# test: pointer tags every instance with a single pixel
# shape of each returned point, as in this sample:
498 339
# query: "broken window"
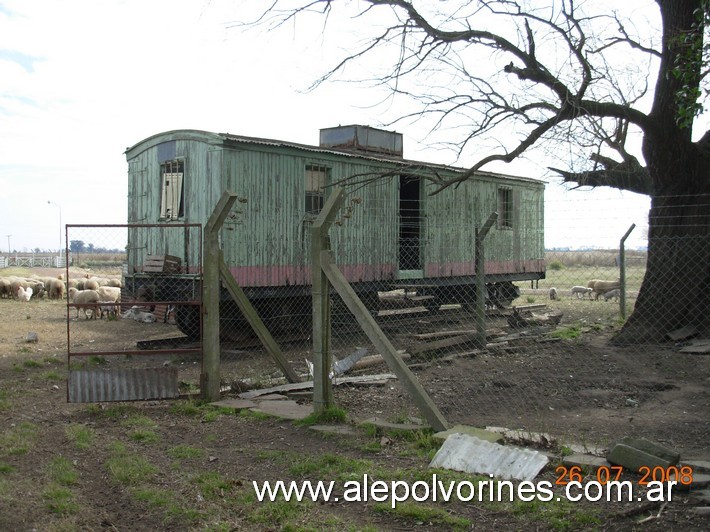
172 204
316 179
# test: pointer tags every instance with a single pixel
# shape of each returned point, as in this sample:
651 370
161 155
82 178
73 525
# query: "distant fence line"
33 261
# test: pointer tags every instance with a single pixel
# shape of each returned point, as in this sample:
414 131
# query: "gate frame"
108 381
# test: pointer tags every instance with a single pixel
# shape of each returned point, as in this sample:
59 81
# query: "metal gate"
126 287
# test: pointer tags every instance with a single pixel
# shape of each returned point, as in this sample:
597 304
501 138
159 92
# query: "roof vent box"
362 139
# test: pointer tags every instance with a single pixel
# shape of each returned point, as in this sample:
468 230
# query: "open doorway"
410 226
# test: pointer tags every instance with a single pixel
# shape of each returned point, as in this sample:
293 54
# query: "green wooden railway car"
397 232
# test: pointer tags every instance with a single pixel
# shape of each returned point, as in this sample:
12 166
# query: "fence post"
209 380
320 290
622 272
481 279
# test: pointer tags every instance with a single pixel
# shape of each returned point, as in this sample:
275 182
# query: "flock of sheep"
606 289
99 295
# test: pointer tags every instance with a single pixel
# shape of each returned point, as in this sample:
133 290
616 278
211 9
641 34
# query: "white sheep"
85 297
55 288
581 292
138 314
24 282
110 298
553 293
5 287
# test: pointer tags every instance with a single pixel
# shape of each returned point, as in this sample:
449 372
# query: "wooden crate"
162 264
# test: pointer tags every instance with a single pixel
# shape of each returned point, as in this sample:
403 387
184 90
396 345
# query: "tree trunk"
676 288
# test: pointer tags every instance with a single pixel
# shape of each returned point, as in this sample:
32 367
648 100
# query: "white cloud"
107 74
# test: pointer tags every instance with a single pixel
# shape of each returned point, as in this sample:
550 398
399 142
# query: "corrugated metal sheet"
96 385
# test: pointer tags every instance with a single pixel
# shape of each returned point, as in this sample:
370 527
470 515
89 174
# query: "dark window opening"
505 208
316 180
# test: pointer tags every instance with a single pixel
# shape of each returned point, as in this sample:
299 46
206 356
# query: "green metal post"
622 272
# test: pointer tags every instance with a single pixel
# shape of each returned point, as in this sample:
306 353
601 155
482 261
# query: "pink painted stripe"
291 274
453 269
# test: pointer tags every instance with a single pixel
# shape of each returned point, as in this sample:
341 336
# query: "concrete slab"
634 459
697 465
308 396
342 430
700 497
585 461
273 397
700 481
483 434
469 454
284 409
237 404
386 425
652 448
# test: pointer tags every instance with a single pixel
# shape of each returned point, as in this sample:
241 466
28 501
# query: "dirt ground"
579 392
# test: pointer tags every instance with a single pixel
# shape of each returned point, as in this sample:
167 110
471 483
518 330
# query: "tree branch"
628 175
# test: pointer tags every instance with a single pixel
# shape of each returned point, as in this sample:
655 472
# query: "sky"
82 80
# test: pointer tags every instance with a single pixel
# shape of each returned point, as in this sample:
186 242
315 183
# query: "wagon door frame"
410 230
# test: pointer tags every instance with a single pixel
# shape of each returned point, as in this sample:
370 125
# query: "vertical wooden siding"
267 243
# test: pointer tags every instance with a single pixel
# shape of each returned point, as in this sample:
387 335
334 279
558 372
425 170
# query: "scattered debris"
524 318
469 454
342 366
699 346
635 453
483 434
365 379
445 343
386 425
683 333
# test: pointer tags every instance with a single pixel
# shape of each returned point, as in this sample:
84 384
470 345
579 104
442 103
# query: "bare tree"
572 74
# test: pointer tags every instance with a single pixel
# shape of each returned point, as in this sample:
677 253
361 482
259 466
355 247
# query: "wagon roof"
231 139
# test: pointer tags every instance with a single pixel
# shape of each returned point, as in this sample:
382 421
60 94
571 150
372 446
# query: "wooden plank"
681 334
421 398
444 344
442 334
306 385
697 346
162 264
255 322
536 306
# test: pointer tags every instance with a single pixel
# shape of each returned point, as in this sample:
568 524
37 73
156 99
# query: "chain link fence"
128 288
546 372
